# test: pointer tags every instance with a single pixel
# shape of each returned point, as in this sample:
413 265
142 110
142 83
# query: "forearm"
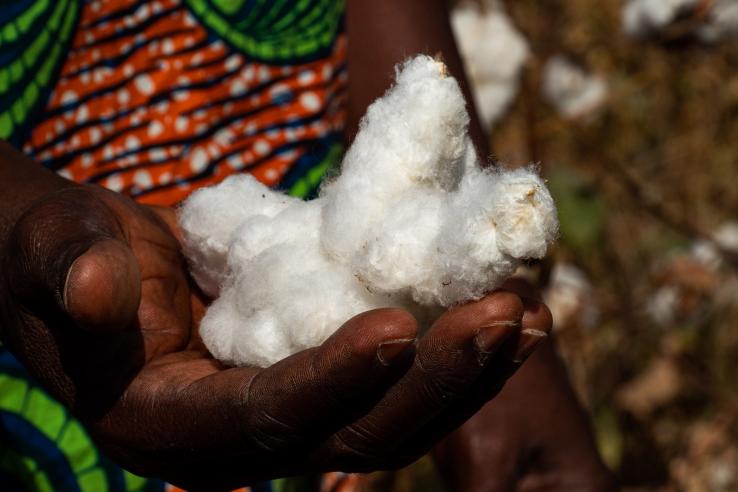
383 33
534 430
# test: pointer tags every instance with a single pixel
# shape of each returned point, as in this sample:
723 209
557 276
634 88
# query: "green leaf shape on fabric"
34 37
273 31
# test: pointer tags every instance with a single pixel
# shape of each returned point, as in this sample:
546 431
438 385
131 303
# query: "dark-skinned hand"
533 437
96 303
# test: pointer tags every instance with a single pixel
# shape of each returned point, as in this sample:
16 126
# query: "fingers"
293 404
450 358
70 256
102 289
535 325
331 385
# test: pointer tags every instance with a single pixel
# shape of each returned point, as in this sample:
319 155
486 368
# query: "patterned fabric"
155 99
34 36
45 449
152 104
273 30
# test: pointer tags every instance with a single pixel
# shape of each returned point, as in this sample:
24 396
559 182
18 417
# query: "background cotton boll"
722 21
642 17
710 21
493 100
211 215
494 53
574 92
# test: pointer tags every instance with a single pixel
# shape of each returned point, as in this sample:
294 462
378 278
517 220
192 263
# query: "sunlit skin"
97 303
101 311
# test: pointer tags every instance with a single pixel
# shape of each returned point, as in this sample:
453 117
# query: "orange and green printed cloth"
155 99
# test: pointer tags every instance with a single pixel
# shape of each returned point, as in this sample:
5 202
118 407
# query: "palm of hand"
120 321
101 312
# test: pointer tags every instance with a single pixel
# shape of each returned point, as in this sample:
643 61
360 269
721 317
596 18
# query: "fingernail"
529 340
66 287
491 336
388 352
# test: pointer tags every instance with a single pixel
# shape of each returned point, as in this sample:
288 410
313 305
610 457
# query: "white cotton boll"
722 21
492 101
295 298
569 297
431 151
524 214
401 254
209 217
712 21
643 17
257 234
412 222
494 220
570 89
726 236
494 53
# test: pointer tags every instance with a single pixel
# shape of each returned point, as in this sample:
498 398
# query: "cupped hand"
97 304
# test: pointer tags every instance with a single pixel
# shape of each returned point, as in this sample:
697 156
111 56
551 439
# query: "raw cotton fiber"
412 221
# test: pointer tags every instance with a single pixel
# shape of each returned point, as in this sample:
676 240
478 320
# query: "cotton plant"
690 280
412 221
494 53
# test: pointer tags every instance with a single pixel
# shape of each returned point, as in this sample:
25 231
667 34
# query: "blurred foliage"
638 183
581 209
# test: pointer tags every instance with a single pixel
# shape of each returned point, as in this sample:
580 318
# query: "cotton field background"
631 108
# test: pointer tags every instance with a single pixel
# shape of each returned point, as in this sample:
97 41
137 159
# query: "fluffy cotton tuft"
574 92
412 221
494 54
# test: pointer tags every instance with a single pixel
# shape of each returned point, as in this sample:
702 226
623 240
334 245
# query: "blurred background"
630 107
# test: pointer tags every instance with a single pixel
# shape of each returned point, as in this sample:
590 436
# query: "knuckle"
359 446
267 431
503 305
49 236
270 433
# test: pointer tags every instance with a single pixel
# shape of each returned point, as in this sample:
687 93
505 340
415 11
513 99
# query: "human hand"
533 437
96 303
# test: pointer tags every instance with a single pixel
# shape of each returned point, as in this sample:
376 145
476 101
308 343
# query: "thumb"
69 254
